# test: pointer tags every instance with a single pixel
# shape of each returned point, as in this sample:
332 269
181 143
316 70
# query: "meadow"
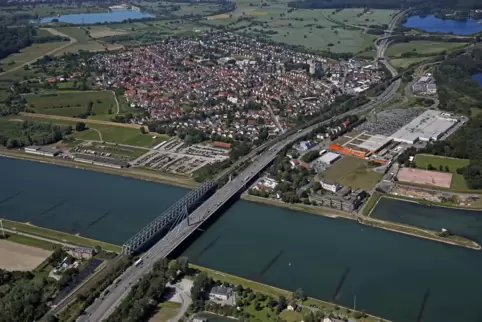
73 103
29 54
352 172
422 47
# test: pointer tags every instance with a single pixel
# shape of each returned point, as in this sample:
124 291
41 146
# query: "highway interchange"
106 304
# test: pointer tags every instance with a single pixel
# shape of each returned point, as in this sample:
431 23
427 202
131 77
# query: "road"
53 32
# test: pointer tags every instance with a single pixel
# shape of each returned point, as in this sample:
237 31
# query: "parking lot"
177 157
389 121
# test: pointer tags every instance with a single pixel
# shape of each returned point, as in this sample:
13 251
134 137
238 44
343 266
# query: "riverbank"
382 224
135 173
277 292
331 213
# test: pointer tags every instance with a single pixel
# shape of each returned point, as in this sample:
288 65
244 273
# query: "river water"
392 275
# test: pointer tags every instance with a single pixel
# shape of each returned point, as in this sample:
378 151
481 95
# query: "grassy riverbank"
58 236
135 173
276 292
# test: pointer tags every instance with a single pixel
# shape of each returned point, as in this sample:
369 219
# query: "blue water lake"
433 24
92 18
478 77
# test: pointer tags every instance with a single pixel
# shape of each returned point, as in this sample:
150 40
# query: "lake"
392 275
433 24
478 78
92 18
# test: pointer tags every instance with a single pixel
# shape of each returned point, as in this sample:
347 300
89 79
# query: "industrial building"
330 186
429 126
42 150
362 144
102 161
329 158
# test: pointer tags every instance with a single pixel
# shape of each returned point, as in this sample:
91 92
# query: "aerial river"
395 276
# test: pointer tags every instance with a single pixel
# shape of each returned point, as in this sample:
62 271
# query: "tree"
447 169
80 126
430 167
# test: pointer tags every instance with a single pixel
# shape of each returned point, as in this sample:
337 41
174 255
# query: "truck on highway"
138 262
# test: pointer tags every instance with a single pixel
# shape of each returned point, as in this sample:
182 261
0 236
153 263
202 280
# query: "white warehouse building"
429 126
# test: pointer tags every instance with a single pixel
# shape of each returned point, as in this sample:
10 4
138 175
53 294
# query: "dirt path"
73 119
53 32
98 132
116 102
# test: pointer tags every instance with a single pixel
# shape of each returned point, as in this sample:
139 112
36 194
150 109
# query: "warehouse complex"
429 126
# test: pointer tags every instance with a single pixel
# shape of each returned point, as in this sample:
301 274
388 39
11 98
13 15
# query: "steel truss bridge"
169 218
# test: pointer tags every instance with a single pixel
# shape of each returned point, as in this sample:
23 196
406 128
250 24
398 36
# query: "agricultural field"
196 9
29 54
308 28
73 103
422 47
359 17
84 41
458 182
352 172
18 257
104 31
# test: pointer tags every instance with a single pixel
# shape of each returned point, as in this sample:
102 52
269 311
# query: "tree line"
16 135
383 4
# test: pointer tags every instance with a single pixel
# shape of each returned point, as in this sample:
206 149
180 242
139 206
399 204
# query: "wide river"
398 277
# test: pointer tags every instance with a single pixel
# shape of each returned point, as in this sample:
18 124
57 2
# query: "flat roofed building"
429 126
42 150
329 158
221 292
375 143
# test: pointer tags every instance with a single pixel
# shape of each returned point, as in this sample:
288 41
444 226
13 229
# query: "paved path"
53 241
53 32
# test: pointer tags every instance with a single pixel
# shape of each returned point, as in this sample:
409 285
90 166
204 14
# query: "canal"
399 277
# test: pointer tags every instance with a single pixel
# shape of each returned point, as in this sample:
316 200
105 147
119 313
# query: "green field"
110 133
309 28
73 103
406 62
352 172
84 41
30 241
165 312
458 181
204 9
29 54
422 47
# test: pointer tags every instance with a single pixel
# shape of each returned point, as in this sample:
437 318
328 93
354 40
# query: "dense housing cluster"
228 85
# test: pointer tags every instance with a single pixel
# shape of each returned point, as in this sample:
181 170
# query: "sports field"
422 47
352 172
458 181
17 257
73 103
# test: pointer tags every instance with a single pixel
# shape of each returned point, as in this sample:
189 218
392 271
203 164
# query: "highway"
103 307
